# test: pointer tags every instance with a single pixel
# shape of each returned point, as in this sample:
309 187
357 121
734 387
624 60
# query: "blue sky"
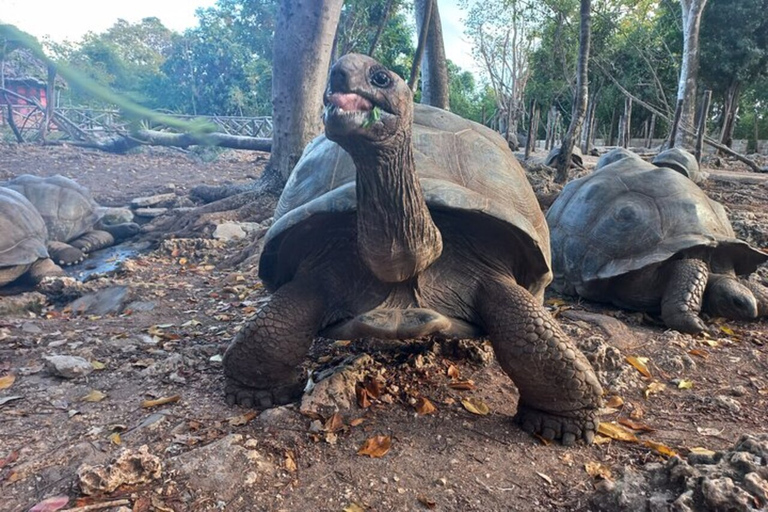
70 19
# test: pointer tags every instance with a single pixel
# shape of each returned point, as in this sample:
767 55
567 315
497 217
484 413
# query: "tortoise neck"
396 236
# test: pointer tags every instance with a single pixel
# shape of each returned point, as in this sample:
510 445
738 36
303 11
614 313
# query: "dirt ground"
155 380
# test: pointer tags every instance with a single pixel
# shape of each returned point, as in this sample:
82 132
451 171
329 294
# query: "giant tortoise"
70 215
395 227
23 240
648 238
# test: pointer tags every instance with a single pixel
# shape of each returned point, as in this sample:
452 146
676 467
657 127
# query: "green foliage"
467 100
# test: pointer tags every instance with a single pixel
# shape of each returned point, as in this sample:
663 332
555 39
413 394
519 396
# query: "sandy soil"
703 391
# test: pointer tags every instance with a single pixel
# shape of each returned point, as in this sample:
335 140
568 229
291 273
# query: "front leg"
261 364
559 392
683 295
93 241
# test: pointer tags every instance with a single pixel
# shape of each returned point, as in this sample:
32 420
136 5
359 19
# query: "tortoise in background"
71 216
649 239
23 240
402 223
681 161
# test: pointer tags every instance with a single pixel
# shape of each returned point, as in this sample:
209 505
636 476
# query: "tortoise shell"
24 237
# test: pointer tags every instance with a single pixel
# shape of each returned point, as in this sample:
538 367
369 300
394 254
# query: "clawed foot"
260 398
566 427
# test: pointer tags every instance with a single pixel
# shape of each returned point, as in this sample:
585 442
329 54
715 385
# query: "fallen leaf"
341 343
51 504
475 406
97 365
660 448
601 440
654 388
634 425
453 372
685 384
542 440
290 462
427 502
115 438
12 457
424 406
545 478
94 396
598 470
191 323
615 401
374 387
699 353
362 397
640 364
616 432
7 381
698 450
356 422
376 446
462 385
712 343
243 419
353 507
709 431
334 423
727 330
160 401
4 400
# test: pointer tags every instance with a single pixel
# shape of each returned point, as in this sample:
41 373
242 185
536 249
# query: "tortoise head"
727 297
365 102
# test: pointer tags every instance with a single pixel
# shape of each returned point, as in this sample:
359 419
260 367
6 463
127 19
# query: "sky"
71 19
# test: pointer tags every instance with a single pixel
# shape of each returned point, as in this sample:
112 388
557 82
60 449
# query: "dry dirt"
216 457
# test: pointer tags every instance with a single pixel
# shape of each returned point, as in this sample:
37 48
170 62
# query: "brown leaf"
635 425
462 385
7 381
660 448
654 388
546 478
160 401
12 457
290 462
94 396
115 438
616 432
374 387
424 406
598 470
640 364
698 450
362 397
376 446
356 422
243 419
427 502
334 423
353 507
699 353
51 504
453 372
475 406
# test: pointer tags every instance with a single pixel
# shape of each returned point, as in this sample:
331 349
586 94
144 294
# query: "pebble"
68 367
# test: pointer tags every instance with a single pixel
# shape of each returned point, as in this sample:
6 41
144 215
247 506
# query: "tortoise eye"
381 79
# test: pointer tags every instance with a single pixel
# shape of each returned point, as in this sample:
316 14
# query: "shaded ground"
216 457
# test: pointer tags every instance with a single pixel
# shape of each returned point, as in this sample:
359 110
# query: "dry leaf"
699 353
462 385
290 462
362 397
712 343
243 419
357 421
601 440
453 372
374 387
616 432
727 330
353 507
51 504
160 401
685 384
94 396
660 448
7 381
555 302
115 438
424 406
542 440
334 423
634 425
641 364
698 450
546 478
709 431
376 446
598 470
637 413
653 388
97 365
475 406
427 502
615 401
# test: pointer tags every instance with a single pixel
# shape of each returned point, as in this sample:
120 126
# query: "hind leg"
261 364
93 241
65 254
45 268
559 392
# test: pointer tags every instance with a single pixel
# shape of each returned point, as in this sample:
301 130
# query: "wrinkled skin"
396 268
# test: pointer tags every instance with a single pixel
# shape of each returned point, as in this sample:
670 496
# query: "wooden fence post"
702 128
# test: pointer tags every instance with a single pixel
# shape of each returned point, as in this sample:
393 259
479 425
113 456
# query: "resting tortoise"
70 215
615 155
23 241
398 229
681 161
647 238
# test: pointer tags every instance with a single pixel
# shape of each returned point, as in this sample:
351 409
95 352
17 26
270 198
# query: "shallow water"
105 260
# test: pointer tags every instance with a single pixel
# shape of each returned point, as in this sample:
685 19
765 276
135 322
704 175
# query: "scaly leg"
65 254
261 363
681 302
93 241
559 392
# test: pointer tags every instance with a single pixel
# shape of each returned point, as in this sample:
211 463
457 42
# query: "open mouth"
350 109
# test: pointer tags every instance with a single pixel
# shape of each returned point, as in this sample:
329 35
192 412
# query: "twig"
98 506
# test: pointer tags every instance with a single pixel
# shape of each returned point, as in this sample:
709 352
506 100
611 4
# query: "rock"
111 216
335 389
225 468
22 303
159 199
616 331
110 300
140 305
129 468
68 367
228 231
150 212
728 403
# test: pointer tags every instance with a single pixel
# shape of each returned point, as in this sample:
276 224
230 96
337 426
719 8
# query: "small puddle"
105 260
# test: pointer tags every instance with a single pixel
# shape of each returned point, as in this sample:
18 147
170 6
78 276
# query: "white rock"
228 231
69 367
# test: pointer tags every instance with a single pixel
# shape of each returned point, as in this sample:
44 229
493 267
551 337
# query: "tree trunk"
423 25
304 34
49 93
627 123
380 28
563 162
689 69
702 124
651 130
530 143
730 110
612 128
434 83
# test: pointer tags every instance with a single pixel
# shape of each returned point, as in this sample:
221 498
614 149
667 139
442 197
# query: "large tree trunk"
730 111
563 162
689 70
304 33
434 70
